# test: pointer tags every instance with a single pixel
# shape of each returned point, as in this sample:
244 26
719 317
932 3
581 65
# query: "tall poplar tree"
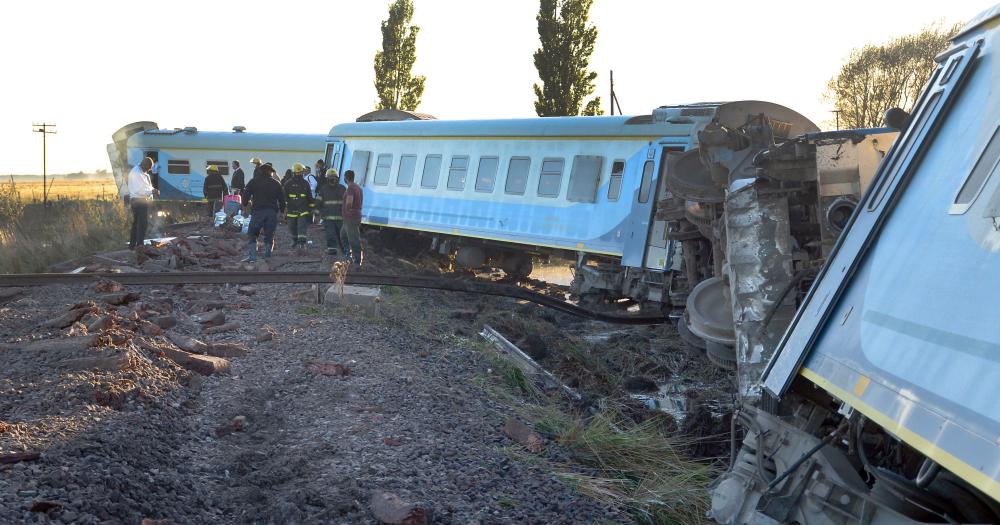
394 81
563 60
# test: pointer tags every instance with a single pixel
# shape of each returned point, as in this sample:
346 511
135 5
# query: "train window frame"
424 179
328 158
360 176
522 181
646 182
616 179
982 171
383 171
544 176
458 183
178 167
222 165
583 184
404 160
480 187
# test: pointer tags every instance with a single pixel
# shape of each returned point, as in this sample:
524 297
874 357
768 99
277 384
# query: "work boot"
251 254
267 251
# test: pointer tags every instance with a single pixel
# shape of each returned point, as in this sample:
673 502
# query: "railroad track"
363 279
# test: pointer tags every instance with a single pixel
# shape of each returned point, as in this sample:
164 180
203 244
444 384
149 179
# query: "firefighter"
263 199
331 197
213 189
299 203
353 197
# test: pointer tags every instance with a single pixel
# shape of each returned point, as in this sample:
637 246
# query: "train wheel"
517 266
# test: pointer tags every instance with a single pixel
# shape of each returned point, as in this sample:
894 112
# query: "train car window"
551 177
178 167
382 168
457 171
222 165
359 165
517 175
407 165
615 184
647 181
987 164
328 158
432 170
584 177
487 174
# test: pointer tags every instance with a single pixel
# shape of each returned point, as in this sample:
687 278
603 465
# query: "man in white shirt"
140 193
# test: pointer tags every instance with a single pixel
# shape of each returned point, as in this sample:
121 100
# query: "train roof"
980 19
191 138
665 121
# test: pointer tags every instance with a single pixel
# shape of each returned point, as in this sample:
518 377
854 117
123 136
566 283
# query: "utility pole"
45 129
837 113
614 98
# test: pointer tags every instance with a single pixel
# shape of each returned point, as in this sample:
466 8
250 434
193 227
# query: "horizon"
205 71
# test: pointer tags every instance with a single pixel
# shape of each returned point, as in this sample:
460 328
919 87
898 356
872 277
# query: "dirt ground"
311 413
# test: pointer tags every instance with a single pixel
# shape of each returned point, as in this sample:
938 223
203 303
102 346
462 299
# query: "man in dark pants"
263 199
331 197
353 197
213 189
299 201
238 181
140 192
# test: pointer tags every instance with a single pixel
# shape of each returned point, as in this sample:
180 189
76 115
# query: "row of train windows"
183 167
584 177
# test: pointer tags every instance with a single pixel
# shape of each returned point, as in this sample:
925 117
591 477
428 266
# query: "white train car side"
183 155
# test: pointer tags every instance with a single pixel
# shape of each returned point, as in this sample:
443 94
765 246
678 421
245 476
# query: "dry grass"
637 466
64 189
42 236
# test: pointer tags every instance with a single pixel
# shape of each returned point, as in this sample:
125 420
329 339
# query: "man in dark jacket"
300 201
213 189
331 197
238 182
263 199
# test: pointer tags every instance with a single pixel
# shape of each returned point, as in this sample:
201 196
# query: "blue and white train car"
882 398
182 155
494 189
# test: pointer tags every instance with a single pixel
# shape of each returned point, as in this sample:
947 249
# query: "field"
84 216
63 189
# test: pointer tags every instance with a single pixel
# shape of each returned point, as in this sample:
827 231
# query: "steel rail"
364 279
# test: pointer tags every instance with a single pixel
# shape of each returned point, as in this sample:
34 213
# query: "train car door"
334 156
647 167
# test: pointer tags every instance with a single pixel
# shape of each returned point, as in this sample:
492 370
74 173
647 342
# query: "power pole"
837 113
45 129
614 98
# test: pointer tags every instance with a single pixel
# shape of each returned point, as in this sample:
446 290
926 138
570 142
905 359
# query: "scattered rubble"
390 508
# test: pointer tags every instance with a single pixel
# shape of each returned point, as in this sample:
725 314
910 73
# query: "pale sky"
303 66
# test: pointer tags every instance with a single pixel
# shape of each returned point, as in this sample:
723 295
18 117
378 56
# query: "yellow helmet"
212 168
332 173
255 160
298 167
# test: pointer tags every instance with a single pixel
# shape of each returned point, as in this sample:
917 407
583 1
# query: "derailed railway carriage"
497 191
880 404
183 155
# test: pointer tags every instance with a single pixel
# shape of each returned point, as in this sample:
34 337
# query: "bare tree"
878 77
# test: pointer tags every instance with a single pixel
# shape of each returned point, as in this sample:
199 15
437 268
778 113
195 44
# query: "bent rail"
369 279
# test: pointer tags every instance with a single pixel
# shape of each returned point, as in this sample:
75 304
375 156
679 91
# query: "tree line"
872 79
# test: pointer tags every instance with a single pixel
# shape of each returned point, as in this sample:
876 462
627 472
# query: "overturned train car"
867 362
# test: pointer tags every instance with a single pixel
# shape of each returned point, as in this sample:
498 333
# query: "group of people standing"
299 195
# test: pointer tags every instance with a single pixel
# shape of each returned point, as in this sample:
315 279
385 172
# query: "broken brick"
327 369
523 434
